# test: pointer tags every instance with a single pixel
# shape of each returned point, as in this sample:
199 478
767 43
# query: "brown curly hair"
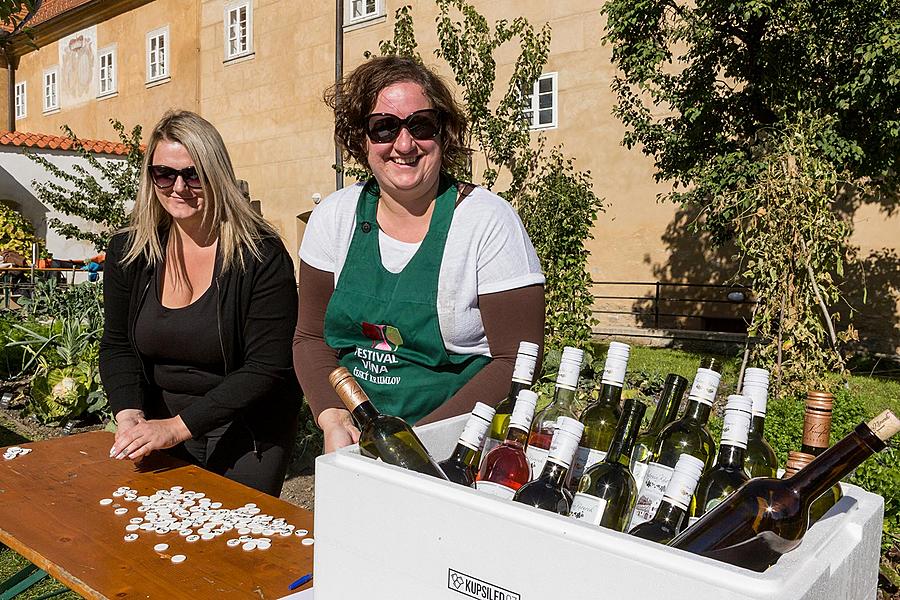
359 92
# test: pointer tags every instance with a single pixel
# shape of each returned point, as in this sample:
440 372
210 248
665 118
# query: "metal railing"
662 301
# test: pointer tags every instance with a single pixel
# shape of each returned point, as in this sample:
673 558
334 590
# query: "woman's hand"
338 429
128 418
142 437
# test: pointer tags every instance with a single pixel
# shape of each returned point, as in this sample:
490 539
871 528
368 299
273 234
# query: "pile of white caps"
15 452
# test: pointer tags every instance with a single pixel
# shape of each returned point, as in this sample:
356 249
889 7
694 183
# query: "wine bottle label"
705 386
816 429
585 458
735 426
567 377
614 371
651 494
495 489
639 471
885 425
536 458
587 508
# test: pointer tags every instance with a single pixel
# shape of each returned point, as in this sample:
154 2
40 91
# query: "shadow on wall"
713 301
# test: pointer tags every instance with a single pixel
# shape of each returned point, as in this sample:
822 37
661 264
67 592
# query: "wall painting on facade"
77 53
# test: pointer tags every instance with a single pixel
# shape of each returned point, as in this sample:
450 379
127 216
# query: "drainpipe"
11 91
338 77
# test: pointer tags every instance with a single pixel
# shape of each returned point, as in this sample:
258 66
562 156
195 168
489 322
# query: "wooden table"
50 514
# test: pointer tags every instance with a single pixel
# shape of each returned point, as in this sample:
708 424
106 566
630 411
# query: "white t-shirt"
487 251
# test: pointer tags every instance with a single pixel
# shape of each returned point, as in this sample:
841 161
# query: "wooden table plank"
50 514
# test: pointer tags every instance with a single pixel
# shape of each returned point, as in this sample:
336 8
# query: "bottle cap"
566 437
755 374
347 388
484 411
570 426
759 394
821 401
689 464
527 397
523 411
528 348
569 368
683 482
736 423
795 462
614 370
705 386
618 349
885 425
739 402
573 354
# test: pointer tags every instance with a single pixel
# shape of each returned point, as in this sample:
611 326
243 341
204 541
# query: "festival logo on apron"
376 361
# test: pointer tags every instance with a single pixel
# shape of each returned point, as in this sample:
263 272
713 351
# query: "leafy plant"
96 194
16 232
50 299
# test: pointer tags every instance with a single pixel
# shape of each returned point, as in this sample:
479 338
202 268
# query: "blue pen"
305 579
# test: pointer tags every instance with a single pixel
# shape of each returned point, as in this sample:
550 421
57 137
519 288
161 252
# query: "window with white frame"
106 76
540 106
21 100
158 54
362 10
51 89
238 28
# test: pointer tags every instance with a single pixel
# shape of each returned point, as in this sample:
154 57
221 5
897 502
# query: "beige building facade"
257 69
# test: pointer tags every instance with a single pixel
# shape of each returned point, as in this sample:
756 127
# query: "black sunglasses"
383 128
165 177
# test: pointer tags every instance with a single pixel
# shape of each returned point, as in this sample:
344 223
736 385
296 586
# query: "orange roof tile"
48 10
57 142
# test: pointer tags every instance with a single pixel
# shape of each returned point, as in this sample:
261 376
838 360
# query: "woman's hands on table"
136 437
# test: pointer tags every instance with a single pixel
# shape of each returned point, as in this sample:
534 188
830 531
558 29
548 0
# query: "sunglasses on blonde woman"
383 128
165 177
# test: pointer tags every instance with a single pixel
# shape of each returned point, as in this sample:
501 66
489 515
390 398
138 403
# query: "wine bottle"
767 517
688 435
382 436
505 468
817 422
522 378
601 415
728 473
561 406
666 412
462 465
548 490
606 491
822 504
671 516
759 460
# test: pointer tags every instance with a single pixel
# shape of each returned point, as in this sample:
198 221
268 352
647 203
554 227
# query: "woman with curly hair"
421 285
199 305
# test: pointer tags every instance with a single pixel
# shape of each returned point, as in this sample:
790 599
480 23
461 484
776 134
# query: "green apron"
385 325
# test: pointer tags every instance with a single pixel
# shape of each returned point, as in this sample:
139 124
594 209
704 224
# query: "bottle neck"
669 513
563 398
515 387
516 436
730 456
757 425
554 474
697 412
626 434
463 455
666 410
365 412
610 394
836 462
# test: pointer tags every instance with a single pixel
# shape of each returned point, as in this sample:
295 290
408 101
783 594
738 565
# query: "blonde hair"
225 207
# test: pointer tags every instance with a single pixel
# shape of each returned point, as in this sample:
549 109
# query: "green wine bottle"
548 490
562 405
728 474
522 379
759 460
382 436
606 491
688 435
666 412
671 517
601 415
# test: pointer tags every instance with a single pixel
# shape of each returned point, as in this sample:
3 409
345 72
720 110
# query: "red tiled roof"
48 10
58 142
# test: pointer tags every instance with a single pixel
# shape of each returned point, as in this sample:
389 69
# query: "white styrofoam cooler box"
385 533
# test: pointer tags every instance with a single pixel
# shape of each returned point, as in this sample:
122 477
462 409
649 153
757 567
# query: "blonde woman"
200 302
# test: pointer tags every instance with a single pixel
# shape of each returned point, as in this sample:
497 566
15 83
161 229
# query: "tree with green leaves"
100 198
555 200
763 116
16 13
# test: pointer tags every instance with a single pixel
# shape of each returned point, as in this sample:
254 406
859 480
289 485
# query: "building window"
21 100
540 106
158 55
107 83
51 89
363 10
238 29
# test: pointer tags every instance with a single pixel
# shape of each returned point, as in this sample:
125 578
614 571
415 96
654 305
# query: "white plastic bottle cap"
484 411
528 397
528 348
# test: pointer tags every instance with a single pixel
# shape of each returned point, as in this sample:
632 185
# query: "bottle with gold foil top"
817 423
382 436
798 460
